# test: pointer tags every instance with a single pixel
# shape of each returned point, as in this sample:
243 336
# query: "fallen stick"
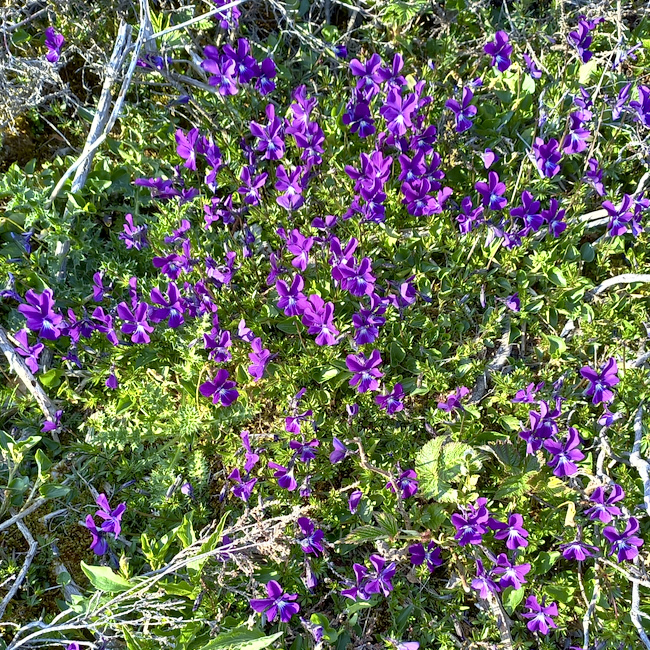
624 278
31 553
28 380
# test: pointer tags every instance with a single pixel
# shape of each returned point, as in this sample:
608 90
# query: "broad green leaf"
242 638
103 578
557 277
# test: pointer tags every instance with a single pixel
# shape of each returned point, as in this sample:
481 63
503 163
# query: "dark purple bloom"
340 451
304 451
111 382
300 246
575 140
542 426
30 352
577 550
99 545
513 575
454 400
52 425
251 457
318 317
243 488
565 455
391 403
547 156
53 42
527 395
186 147
223 73
178 234
555 218
135 322
368 74
365 370
601 382
267 72
531 67
528 212
463 111
360 120
625 544
513 532
41 317
431 556
472 523
269 136
581 40
392 76
292 423
500 51
620 217
312 540
398 112
170 306
134 236
285 476
492 192
357 590
292 300
605 510
379 580
594 177
221 389
540 616
246 66
277 603
470 217
513 302
251 185
354 500
484 583
358 280
112 518
642 107
292 186
218 342
104 324
260 358
407 483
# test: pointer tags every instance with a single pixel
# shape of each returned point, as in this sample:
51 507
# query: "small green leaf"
557 277
43 463
103 578
53 490
512 598
242 638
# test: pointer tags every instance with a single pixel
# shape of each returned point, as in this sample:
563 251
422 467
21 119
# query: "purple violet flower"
285 476
492 192
625 544
577 550
601 382
340 451
30 352
453 402
540 616
53 42
41 317
463 111
135 322
500 51
278 602
260 358
565 455
407 483
98 545
605 510
243 487
112 518
431 556
547 156
221 389
379 580
513 575
513 532
134 236
391 403
354 501
311 543
483 583
365 370
471 523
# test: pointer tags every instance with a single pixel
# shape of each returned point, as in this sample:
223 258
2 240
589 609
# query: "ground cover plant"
328 329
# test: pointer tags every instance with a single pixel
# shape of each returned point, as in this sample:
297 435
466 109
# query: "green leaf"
53 490
43 463
52 378
363 534
556 345
545 561
104 579
557 277
242 638
512 598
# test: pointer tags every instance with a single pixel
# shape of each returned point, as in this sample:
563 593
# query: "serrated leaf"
104 579
363 534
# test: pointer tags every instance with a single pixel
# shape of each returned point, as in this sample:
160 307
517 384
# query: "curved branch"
624 278
31 553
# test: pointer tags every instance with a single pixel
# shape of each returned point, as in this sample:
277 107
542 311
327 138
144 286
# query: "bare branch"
31 553
637 461
28 380
23 513
624 278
